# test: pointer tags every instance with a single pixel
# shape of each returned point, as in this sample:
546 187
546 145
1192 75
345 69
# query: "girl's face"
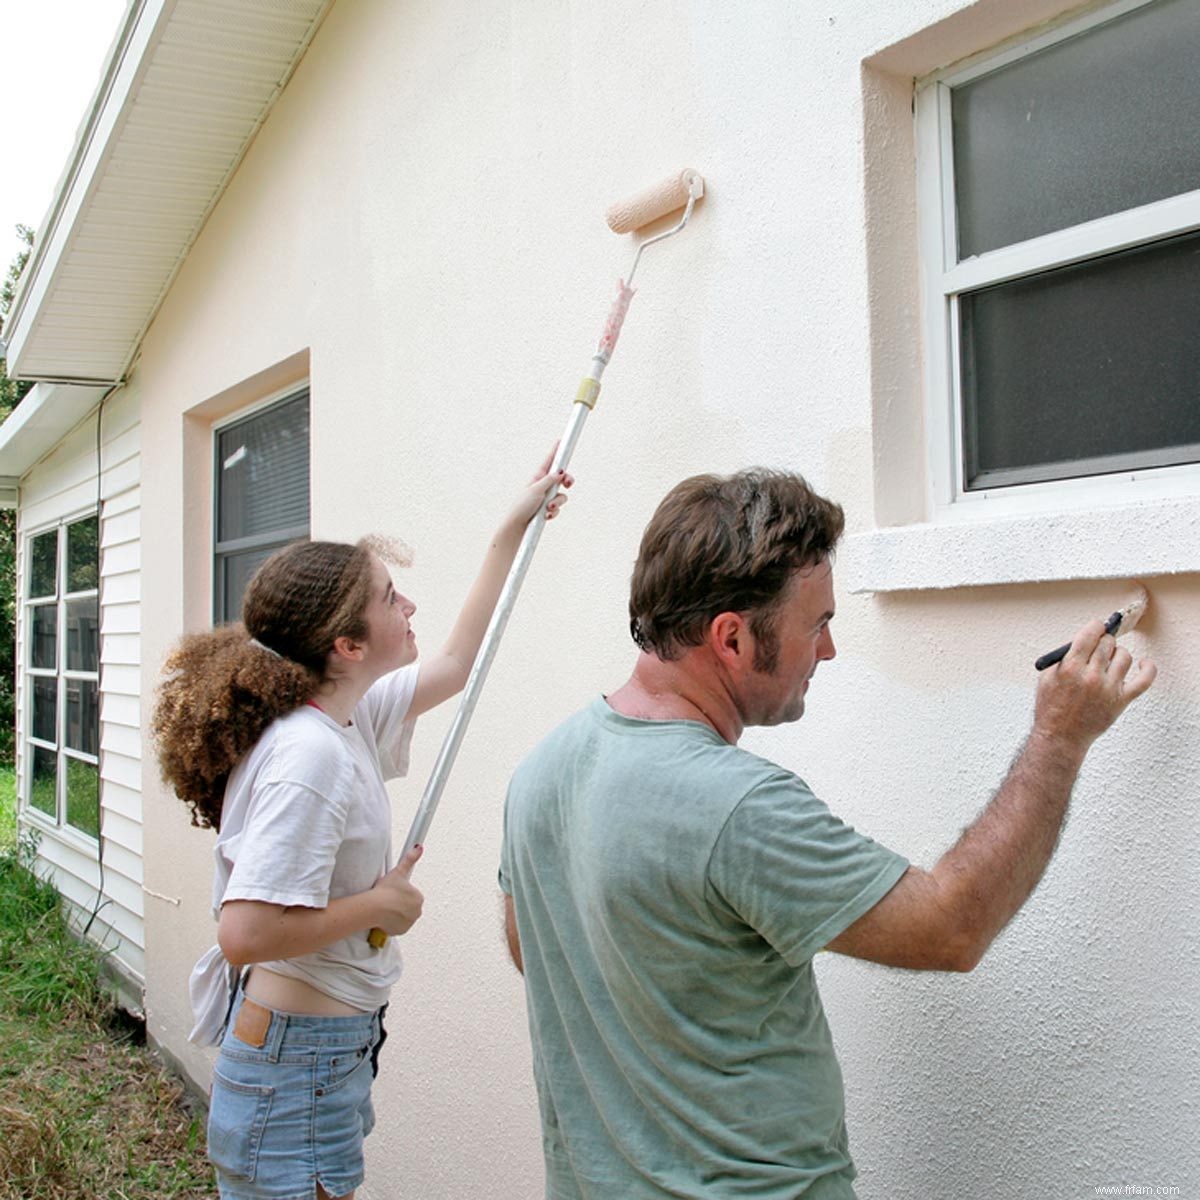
391 642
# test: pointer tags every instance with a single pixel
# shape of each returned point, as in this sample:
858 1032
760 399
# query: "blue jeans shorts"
291 1102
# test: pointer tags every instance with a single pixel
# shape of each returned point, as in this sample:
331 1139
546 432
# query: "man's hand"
945 919
1082 696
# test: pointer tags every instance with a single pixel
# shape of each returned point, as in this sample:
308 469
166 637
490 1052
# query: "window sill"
1160 537
81 843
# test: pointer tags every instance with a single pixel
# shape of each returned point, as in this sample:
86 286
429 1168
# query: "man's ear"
349 649
730 639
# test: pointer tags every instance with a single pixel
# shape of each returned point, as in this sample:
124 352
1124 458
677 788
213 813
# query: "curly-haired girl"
279 732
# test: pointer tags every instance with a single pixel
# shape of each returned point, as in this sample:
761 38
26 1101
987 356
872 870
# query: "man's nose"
828 649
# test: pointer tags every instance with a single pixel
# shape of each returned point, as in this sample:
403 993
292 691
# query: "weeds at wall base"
85 1110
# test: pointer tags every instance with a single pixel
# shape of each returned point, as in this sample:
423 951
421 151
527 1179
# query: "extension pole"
495 630
674 193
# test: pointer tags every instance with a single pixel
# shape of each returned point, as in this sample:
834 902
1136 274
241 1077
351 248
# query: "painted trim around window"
1124 523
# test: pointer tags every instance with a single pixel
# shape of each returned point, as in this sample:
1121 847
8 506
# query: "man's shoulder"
687 747
567 731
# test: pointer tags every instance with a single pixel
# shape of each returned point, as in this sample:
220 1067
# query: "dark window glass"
45 709
83 634
1099 123
262 472
44 781
43 644
43 564
83 796
83 715
83 555
238 568
1083 370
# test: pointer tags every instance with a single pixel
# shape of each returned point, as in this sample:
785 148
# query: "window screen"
262 491
1081 370
1102 122
1072 296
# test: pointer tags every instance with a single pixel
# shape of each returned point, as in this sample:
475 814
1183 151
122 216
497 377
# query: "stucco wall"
419 228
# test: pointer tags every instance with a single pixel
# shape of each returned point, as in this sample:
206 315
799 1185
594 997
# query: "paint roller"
679 191
1122 621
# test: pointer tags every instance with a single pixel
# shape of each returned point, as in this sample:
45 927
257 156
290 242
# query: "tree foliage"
11 394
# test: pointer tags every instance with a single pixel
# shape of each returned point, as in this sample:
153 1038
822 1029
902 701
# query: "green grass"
83 794
86 1113
8 807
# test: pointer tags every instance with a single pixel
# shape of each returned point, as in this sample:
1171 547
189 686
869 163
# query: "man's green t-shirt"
670 892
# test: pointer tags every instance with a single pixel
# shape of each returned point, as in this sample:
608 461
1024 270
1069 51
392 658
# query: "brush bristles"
1133 612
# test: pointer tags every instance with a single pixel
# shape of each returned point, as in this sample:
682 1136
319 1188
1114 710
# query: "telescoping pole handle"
584 402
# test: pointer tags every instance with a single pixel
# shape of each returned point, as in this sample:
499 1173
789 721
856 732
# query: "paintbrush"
1122 621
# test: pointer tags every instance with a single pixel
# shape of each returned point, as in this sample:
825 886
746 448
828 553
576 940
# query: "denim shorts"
291 1102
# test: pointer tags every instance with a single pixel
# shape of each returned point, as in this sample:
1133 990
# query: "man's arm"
945 919
511 935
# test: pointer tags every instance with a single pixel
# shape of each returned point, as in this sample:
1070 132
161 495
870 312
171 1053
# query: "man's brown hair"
726 543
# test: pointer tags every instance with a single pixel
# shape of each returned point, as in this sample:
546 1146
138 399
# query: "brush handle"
1056 656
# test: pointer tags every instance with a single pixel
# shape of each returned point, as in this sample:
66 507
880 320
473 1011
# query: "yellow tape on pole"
589 389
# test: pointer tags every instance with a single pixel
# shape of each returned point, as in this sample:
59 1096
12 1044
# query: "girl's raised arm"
445 673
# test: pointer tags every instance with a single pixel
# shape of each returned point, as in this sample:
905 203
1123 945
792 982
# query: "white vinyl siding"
61 486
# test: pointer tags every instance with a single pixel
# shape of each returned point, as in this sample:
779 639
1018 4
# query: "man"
667 891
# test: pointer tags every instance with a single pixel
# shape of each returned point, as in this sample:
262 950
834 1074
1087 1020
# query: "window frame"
62 675
944 279
274 539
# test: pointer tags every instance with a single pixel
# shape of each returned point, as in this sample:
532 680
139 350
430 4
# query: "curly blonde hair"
221 690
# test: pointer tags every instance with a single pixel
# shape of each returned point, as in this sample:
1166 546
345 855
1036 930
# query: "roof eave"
47 414
140 29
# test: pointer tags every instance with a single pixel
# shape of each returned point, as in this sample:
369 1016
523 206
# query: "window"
261 495
1060 216
62 606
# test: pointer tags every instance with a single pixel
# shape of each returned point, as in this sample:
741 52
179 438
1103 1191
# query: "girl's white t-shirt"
306 819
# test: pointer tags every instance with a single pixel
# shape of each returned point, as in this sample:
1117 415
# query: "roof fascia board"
128 60
43 418
219 192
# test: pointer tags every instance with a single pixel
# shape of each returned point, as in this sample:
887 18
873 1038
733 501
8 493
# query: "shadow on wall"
996 632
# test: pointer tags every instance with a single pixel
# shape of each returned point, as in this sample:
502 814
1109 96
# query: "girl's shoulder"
305 748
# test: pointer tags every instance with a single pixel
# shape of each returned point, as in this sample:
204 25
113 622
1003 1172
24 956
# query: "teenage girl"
279 733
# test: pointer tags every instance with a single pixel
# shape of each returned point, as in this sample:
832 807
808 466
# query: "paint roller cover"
654 202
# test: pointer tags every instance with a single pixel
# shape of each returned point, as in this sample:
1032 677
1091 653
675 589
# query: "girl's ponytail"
220 691
224 687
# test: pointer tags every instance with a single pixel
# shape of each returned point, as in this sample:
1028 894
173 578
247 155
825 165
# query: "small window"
262 495
1062 252
43 565
62 670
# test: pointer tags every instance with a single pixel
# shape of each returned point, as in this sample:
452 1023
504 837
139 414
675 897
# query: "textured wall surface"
419 228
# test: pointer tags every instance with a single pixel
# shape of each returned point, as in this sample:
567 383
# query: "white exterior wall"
62 485
418 231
